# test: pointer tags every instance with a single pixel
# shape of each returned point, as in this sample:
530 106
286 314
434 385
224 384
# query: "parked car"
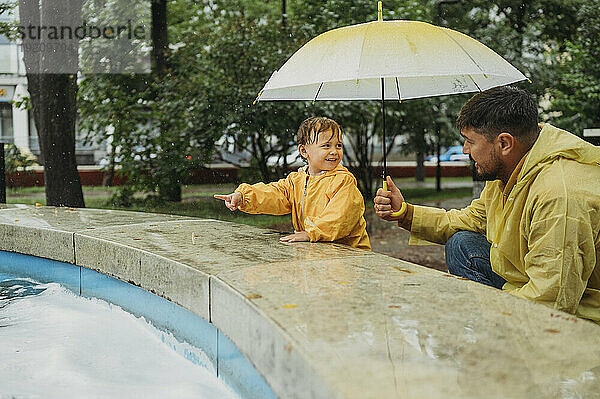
454 153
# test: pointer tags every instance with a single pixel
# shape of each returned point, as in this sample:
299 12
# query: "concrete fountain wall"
323 320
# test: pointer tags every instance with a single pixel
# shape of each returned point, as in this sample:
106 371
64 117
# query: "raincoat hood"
554 143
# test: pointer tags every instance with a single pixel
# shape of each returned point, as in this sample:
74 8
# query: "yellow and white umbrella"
415 59
388 60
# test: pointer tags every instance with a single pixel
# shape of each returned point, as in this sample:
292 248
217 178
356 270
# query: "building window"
6 123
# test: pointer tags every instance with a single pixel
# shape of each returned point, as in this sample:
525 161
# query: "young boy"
322 196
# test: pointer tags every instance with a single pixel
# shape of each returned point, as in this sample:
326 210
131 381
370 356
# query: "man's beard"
489 175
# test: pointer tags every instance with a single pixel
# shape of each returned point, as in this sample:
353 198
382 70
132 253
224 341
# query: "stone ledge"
323 320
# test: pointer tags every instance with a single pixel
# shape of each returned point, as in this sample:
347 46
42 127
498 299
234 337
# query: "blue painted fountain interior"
222 356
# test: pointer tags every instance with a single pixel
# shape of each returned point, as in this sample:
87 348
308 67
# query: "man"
534 231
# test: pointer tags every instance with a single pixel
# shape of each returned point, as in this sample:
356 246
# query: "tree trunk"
55 118
109 173
52 84
360 162
169 188
160 38
283 14
420 172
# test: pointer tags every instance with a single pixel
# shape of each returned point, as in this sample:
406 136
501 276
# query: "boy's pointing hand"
232 201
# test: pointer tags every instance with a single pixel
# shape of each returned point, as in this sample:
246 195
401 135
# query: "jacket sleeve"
272 198
435 225
561 252
343 211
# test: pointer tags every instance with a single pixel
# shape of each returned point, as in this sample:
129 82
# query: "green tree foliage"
531 35
223 52
240 51
411 126
6 20
219 58
576 98
150 123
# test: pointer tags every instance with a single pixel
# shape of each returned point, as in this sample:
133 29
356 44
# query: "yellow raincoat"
545 232
329 207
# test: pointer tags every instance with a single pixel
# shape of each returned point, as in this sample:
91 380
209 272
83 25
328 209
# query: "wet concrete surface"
325 321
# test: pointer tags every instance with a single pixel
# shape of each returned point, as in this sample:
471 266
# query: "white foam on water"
57 344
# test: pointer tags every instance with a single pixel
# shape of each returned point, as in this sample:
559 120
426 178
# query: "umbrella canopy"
415 59
388 60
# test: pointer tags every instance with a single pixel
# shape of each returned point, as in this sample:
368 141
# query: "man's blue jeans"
468 255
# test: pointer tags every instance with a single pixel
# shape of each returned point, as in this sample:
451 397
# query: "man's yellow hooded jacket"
329 207
545 233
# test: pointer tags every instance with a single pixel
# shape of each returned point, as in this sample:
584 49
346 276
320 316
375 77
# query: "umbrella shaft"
383 128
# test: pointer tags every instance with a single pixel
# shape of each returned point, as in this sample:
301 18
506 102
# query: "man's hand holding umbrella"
389 204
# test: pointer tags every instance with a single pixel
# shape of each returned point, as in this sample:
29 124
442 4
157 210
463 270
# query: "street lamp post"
2 174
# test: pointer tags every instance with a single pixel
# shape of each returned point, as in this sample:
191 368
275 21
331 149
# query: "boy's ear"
302 150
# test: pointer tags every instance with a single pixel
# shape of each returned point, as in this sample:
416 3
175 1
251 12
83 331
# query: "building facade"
14 121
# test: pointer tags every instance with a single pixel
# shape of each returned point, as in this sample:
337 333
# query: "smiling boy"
322 197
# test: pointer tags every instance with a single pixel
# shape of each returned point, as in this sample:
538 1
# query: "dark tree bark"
52 83
160 38
362 144
421 148
168 189
283 14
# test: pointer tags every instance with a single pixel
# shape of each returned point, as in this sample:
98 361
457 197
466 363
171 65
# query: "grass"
432 179
198 202
419 195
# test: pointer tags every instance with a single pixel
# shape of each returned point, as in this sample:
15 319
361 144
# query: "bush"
15 161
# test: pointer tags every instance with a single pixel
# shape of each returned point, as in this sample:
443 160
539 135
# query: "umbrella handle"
400 212
402 208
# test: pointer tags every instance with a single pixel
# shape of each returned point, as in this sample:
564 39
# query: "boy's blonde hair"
308 132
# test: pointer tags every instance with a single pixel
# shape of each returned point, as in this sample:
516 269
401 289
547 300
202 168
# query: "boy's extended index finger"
221 197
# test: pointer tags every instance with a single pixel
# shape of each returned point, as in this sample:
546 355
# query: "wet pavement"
326 321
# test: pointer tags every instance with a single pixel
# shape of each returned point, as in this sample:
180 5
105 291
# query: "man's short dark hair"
501 109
